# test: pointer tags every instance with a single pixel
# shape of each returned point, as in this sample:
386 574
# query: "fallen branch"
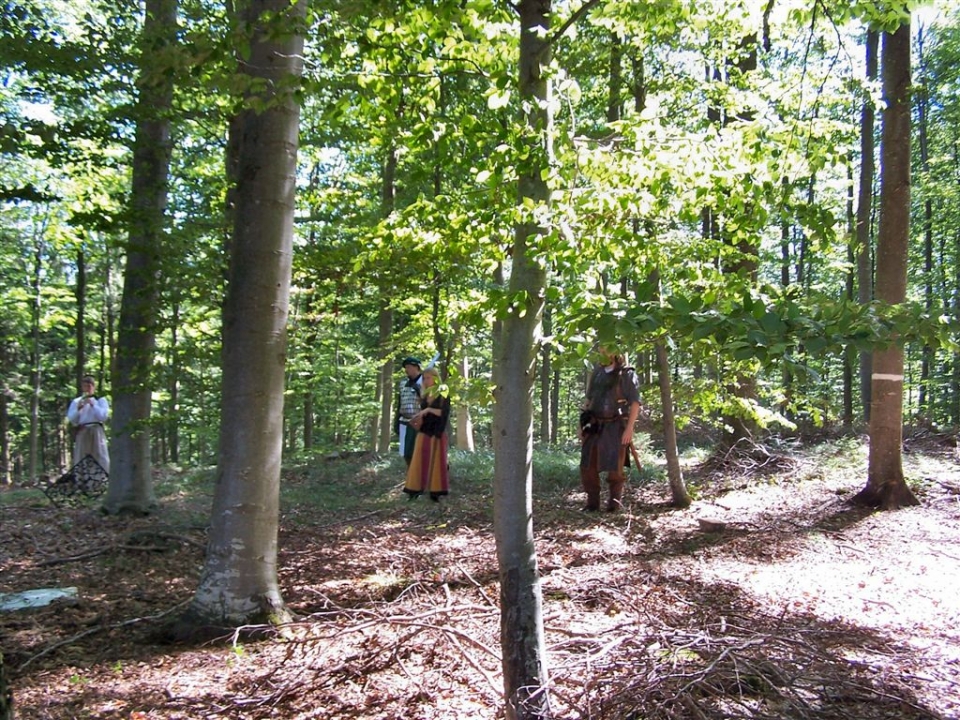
102 551
92 631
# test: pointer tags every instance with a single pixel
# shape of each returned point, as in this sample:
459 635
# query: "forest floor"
796 605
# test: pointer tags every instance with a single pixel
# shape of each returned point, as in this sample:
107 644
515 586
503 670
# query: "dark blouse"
435 425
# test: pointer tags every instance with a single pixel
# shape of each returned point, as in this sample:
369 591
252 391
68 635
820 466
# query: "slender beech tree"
886 487
239 583
36 372
131 483
521 602
80 327
865 212
382 424
925 400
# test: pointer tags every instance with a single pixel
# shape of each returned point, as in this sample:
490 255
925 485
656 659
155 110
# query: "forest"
239 218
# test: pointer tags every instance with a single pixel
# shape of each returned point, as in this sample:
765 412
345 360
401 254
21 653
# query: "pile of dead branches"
746 460
400 658
729 671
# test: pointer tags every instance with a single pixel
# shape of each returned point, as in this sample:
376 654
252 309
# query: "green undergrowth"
333 486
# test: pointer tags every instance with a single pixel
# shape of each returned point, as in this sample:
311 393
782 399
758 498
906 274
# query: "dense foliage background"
703 172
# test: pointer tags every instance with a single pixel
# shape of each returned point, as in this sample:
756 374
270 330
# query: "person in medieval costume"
606 428
408 405
86 415
429 470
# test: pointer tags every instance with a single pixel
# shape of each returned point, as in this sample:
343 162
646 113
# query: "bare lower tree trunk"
525 676
678 489
131 479
239 583
886 487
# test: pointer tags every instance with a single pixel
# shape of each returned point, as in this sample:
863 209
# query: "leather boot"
615 501
593 502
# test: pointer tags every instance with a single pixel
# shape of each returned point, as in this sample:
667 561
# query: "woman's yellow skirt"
429 470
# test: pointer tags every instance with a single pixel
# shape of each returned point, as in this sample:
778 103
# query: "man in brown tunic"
610 412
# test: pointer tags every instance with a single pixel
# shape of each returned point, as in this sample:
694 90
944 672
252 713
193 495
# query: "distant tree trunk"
239 583
307 421
954 364
79 328
925 401
465 439
547 411
615 79
555 406
383 424
5 476
173 424
865 214
849 355
525 676
439 341
33 464
737 426
107 345
886 487
385 394
131 481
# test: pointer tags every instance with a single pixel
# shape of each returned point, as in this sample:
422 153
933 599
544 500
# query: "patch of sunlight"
384 581
601 539
887 571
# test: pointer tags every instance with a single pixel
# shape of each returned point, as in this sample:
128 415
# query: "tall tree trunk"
865 214
79 330
131 481
464 428
925 401
383 424
525 676
33 459
239 583
886 487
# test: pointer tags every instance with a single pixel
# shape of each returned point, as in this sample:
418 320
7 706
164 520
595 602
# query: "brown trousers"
590 479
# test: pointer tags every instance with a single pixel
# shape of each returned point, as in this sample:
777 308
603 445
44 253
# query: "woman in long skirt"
429 470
